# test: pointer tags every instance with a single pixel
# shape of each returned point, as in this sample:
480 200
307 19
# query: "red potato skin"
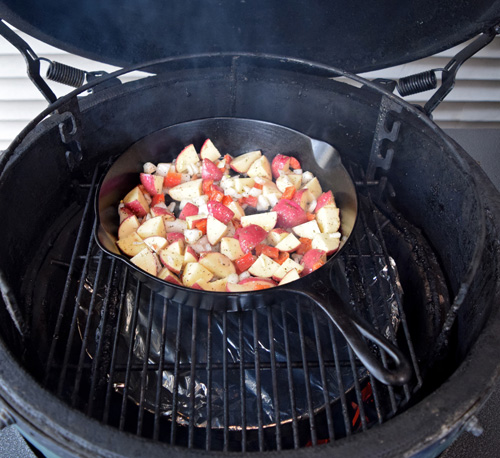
250 236
148 181
311 258
160 211
220 211
193 253
324 199
125 213
290 214
280 163
172 280
209 171
259 279
189 210
174 236
136 208
298 196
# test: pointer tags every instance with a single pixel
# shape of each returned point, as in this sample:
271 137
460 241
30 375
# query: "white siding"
474 102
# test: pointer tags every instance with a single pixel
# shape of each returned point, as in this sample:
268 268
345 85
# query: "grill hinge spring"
427 80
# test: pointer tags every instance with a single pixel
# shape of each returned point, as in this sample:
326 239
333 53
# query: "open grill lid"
357 36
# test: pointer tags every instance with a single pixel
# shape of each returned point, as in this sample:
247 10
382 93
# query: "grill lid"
356 36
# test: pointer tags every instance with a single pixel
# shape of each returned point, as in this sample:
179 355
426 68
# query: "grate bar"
144 373
359 396
192 376
242 385
85 338
173 430
72 330
96 362
258 383
69 280
340 380
208 436
123 412
225 381
324 383
291 388
121 306
156 428
274 375
310 408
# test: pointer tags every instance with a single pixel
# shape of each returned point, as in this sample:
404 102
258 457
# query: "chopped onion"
312 206
149 167
307 177
147 197
262 203
244 275
259 180
163 168
298 171
192 235
201 200
203 209
232 278
254 192
273 199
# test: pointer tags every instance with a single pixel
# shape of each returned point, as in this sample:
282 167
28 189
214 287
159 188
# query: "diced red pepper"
305 245
250 200
294 163
201 224
258 186
172 179
236 223
270 251
283 256
228 158
317 265
289 192
207 186
226 200
158 199
310 216
244 263
262 286
216 194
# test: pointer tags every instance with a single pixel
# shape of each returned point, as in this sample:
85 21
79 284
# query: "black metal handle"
354 329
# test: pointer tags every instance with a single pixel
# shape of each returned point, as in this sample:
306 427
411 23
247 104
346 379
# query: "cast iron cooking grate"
274 378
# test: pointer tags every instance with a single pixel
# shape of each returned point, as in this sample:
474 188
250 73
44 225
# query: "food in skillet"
219 223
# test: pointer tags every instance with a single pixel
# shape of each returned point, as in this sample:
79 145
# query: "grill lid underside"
356 36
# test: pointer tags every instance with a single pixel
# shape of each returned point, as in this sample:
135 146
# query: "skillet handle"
353 329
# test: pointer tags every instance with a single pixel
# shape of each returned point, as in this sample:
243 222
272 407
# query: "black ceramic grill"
93 363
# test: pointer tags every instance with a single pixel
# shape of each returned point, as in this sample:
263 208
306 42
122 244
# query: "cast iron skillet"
236 136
